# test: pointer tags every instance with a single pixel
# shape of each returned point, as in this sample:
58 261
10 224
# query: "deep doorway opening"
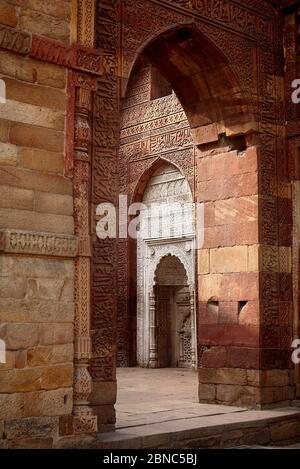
161 319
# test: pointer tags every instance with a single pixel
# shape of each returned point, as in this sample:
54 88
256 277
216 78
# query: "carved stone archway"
167 229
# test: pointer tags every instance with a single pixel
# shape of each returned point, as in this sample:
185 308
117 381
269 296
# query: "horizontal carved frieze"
75 56
15 41
38 243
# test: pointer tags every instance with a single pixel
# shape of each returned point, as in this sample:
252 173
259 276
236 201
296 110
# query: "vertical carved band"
82 92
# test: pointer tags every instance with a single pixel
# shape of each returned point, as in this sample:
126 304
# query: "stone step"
262 427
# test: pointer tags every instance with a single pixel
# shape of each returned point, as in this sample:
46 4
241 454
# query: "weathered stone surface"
11 406
8 15
236 209
34 379
26 179
244 396
39 23
32 71
34 311
33 427
223 376
233 259
12 197
285 431
47 403
53 203
36 267
103 393
9 289
56 334
41 160
19 336
31 443
214 357
8 152
29 114
206 392
40 356
35 221
203 261
33 136
35 94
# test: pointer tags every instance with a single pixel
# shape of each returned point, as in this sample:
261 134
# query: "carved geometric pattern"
38 243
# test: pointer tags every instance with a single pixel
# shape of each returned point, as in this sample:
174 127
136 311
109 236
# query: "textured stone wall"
36 225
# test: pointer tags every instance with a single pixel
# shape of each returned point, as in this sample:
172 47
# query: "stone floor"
147 396
159 409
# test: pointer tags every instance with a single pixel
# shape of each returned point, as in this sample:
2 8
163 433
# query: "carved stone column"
152 332
193 329
84 421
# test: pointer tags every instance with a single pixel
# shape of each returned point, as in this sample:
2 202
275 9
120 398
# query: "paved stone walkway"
147 396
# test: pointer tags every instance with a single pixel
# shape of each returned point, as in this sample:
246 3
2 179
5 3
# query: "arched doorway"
173 315
165 270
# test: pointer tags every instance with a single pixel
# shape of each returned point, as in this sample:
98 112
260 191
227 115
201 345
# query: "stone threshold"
277 427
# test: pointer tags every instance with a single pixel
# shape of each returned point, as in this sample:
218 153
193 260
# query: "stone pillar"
84 421
153 353
193 329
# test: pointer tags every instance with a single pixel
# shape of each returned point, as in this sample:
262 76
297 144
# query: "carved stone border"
38 243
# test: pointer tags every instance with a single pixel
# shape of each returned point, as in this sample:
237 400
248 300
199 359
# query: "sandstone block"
4 132
230 259
47 403
103 393
209 286
222 376
203 261
32 136
10 360
236 210
45 288
253 258
35 221
35 379
285 431
26 179
32 427
20 359
228 313
12 197
11 406
229 334
53 203
41 160
38 23
34 311
206 392
214 357
31 443
56 334
243 396
8 15
19 336
37 267
243 357
8 152
40 356
32 71
15 289
35 94
54 8
16 111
